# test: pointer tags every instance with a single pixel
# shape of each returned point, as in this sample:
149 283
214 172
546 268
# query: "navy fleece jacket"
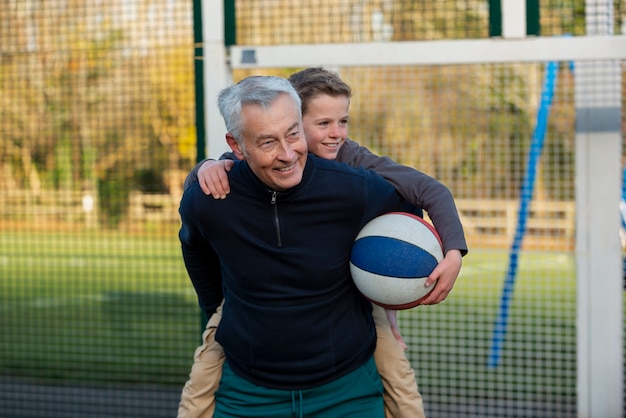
292 317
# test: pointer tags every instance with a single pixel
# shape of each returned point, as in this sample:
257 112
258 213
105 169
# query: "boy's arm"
418 188
429 194
192 177
212 175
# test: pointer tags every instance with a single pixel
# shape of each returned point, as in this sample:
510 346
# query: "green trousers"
356 395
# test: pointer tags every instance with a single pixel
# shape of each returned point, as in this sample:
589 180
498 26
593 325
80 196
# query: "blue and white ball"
392 257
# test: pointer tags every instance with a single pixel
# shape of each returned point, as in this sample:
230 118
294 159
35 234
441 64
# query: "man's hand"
445 274
213 179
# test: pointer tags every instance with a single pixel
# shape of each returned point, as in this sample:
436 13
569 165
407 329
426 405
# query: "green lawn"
450 342
113 308
96 307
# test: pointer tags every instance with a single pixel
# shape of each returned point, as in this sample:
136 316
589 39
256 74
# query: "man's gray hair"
257 90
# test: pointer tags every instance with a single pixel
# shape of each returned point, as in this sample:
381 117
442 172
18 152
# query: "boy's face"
326 125
273 143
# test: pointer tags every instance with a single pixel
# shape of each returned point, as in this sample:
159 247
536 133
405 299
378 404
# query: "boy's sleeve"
416 187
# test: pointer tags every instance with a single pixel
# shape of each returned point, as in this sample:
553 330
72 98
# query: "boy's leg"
401 396
198 397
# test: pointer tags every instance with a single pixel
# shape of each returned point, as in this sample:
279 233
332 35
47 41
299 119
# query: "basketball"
392 257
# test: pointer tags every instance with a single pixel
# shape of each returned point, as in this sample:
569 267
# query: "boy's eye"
323 123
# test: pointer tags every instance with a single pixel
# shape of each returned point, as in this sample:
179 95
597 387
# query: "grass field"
115 309
450 342
105 307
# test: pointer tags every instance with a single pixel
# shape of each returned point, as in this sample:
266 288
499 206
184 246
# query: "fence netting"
98 131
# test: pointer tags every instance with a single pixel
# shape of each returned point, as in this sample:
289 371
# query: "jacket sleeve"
192 177
201 261
416 187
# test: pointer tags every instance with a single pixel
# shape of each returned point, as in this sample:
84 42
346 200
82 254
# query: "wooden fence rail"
49 205
487 222
153 207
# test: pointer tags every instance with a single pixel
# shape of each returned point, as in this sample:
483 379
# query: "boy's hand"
213 179
446 274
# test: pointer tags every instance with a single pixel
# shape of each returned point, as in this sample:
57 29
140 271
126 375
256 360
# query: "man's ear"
234 146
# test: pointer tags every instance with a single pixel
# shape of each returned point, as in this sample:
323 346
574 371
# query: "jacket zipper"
276 221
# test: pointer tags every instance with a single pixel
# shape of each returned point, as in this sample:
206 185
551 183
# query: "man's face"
326 125
274 143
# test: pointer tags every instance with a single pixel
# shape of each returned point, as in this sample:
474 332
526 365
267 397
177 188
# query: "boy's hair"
257 90
316 81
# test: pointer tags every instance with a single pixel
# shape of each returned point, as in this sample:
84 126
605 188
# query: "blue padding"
526 193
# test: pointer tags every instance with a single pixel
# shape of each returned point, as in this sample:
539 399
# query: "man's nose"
286 151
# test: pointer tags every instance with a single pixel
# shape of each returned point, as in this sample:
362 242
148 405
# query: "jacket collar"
264 191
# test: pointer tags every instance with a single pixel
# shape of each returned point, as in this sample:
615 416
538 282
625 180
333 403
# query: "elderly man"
297 335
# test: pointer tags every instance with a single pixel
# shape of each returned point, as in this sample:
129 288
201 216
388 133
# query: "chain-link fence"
98 131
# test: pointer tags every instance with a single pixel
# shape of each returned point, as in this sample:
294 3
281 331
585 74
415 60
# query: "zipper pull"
274 195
